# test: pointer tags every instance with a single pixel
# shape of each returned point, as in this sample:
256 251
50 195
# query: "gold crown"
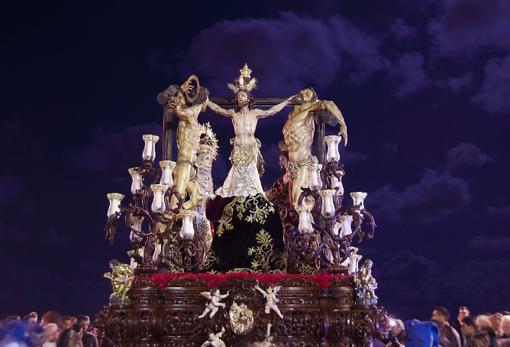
244 82
245 71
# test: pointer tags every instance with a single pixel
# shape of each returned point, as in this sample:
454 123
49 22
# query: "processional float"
213 268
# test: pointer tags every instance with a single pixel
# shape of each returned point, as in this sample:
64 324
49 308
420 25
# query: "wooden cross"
321 117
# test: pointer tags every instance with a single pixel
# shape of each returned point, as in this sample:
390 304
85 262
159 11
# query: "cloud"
435 197
494 94
489 245
408 74
10 188
498 211
114 150
286 52
460 83
401 30
349 157
414 277
468 26
480 284
466 155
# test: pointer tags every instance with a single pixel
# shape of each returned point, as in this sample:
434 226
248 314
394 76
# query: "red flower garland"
322 280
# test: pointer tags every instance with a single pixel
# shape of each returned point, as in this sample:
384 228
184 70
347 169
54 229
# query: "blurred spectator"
76 338
50 335
67 322
483 324
457 323
31 318
89 339
421 334
447 335
495 320
474 337
51 317
505 326
397 334
67 332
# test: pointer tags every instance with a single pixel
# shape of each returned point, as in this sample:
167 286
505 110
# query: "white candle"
158 201
167 167
136 179
328 206
115 199
305 220
333 153
358 199
187 231
314 176
149 149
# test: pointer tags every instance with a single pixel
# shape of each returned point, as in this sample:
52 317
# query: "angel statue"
214 302
365 285
271 299
121 277
215 339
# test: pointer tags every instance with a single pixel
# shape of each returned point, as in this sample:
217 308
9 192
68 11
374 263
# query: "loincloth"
245 155
293 167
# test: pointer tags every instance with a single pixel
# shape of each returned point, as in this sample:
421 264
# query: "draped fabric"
248 234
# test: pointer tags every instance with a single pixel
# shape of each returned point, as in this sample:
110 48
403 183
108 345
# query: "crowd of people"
465 330
53 330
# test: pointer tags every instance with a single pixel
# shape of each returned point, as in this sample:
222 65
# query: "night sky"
424 87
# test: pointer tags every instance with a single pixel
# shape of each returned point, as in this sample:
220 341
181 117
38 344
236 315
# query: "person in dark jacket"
88 339
457 323
448 336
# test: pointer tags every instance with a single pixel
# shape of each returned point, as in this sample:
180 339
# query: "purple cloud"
401 30
481 283
408 74
10 188
435 197
489 245
466 155
499 211
467 26
349 157
460 83
413 276
114 150
286 53
494 93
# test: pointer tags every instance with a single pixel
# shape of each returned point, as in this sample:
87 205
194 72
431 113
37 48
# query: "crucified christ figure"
243 178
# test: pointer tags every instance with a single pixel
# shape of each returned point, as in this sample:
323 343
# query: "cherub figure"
215 339
271 299
214 302
366 284
351 263
121 277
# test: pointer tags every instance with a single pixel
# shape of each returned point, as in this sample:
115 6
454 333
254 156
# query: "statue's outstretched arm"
335 111
219 110
273 110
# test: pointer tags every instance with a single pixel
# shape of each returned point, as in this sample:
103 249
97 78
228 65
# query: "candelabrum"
161 237
326 227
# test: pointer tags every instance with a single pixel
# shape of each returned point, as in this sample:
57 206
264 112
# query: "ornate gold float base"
314 314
